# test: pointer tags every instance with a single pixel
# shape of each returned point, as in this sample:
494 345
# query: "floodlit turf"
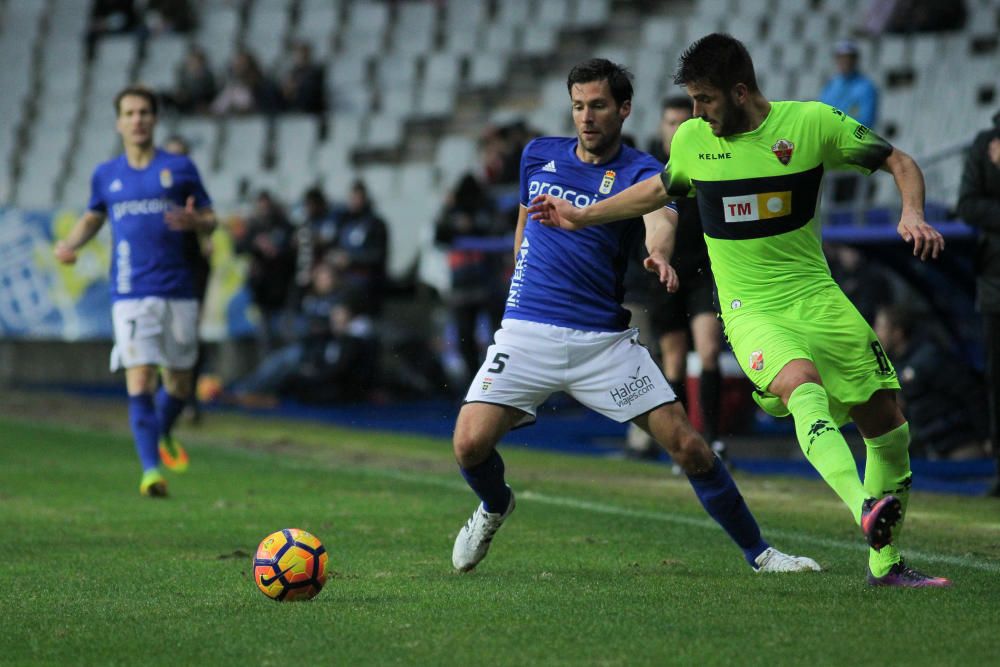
604 562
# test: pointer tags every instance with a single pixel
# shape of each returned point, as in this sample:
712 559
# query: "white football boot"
473 541
772 560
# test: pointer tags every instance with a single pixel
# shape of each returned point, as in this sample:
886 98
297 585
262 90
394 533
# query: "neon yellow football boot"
153 485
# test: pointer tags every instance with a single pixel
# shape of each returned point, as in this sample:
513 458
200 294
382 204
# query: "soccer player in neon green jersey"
755 167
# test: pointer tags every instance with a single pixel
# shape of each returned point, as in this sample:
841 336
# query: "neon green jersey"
758 197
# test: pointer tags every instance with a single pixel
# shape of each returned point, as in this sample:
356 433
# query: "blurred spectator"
316 232
907 16
267 239
500 147
910 16
194 83
339 363
849 90
856 95
169 16
946 417
477 285
110 17
866 284
247 88
361 249
979 206
304 84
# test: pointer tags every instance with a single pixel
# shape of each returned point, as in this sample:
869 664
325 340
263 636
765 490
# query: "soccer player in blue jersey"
564 328
156 203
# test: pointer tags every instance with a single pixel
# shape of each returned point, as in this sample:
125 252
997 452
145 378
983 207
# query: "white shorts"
609 372
153 331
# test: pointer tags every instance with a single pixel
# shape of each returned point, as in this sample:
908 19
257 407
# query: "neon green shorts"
824 328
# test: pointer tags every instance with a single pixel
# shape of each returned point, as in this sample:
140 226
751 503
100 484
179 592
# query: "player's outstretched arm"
640 199
85 228
661 235
927 241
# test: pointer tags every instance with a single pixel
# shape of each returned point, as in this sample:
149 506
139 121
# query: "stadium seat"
591 13
414 29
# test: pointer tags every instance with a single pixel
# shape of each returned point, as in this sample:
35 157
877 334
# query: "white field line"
971 562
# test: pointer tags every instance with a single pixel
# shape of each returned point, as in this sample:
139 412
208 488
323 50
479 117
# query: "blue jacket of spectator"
854 94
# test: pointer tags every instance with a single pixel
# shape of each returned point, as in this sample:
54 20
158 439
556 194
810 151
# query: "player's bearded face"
721 110
598 117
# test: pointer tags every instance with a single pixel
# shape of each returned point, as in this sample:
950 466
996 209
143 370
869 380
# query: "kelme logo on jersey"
757 360
607 182
782 150
630 390
166 178
745 208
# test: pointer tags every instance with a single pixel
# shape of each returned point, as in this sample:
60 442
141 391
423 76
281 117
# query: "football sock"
824 445
145 430
168 407
887 470
709 394
722 500
486 479
681 390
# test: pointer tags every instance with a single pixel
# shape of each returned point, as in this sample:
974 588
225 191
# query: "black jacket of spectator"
979 206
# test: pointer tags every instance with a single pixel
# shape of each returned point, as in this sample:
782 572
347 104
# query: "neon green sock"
824 445
887 470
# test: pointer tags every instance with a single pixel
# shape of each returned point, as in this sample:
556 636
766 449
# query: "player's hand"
663 270
64 253
182 219
555 212
927 241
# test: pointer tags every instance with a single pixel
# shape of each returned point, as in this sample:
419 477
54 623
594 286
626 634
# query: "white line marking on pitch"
647 515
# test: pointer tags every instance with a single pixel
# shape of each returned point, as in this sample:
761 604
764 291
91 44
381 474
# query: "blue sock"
722 500
486 479
167 409
145 429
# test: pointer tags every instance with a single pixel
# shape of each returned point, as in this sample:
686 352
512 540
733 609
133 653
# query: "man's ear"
740 93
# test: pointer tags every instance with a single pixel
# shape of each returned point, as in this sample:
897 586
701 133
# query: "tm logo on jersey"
630 390
745 208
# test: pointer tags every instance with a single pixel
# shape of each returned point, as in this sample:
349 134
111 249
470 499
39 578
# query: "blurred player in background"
198 249
692 307
157 204
564 328
756 168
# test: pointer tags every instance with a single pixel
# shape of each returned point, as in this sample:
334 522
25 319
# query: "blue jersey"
147 257
574 279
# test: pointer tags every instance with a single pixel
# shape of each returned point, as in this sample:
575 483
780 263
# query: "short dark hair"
600 69
677 102
137 91
718 59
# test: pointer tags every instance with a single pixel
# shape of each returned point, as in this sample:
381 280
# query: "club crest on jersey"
782 150
607 182
166 178
757 360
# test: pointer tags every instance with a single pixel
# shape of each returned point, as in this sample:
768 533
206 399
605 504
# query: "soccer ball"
290 565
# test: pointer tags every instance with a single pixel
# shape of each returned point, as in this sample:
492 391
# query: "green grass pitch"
603 563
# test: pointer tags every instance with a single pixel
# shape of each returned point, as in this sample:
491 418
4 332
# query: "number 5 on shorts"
499 363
